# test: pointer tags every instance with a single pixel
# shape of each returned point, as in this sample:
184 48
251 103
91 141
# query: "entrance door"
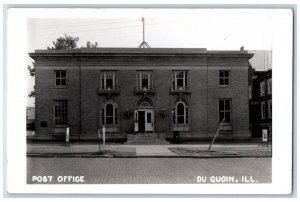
149 121
141 120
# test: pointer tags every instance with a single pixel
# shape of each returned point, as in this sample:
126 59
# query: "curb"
72 155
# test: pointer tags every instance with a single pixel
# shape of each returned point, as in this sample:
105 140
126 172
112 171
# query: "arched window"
109 114
180 113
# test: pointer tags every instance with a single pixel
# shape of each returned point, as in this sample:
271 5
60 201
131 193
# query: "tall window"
180 113
109 114
60 78
262 88
108 80
61 113
180 80
144 80
225 110
263 110
269 83
269 109
224 77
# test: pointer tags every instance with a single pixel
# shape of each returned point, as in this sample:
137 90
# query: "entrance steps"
146 138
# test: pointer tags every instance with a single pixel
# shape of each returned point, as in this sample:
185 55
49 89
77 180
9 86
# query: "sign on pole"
67 136
99 138
265 136
103 134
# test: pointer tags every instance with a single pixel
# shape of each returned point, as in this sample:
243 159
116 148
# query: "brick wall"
85 103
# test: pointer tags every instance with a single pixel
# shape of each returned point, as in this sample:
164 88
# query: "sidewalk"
91 150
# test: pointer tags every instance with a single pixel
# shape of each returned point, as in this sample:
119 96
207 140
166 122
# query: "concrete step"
147 138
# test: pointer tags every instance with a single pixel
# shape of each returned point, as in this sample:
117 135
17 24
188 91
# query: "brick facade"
85 101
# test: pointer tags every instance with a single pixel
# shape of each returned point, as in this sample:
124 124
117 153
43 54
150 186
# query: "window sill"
224 86
60 87
111 129
226 127
181 127
60 129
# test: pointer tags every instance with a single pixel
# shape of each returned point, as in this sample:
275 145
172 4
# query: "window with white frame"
180 113
144 80
224 77
109 114
108 80
263 110
225 110
60 112
250 92
269 83
269 109
60 77
180 81
262 88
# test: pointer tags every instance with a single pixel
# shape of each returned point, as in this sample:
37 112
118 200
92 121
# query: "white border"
16 111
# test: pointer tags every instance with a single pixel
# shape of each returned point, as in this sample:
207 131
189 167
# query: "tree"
31 70
32 73
89 45
66 42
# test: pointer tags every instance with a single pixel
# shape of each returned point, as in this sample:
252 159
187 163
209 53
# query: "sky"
210 29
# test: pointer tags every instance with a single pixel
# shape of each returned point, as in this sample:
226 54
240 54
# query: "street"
148 170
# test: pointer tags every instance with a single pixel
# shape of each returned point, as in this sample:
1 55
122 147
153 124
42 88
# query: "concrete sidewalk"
91 150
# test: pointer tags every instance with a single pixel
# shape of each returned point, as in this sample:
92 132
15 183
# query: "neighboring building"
30 118
141 90
260 103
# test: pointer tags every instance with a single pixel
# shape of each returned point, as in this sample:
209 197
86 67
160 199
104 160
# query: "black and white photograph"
152 97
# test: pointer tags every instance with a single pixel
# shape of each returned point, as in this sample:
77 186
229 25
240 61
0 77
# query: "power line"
113 28
85 24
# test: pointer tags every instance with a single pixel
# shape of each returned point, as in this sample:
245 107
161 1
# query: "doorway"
141 122
144 121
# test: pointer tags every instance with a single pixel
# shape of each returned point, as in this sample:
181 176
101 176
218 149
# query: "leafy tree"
89 45
31 70
66 42
32 73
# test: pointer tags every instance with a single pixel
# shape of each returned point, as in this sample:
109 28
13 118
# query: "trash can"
175 136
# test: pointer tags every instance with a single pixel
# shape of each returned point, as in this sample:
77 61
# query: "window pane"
63 82
57 74
109 110
102 81
109 83
221 74
221 116
180 119
227 117
226 74
173 112
116 115
148 117
109 120
180 82
221 105
144 82
57 82
187 115
226 81
227 104
63 74
180 109
179 74
60 113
